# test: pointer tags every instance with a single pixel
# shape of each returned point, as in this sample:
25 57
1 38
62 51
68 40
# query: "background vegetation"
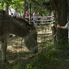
19 5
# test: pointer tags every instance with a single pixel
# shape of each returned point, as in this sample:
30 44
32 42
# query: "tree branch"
39 4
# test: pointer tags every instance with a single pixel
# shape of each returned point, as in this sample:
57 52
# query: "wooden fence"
43 19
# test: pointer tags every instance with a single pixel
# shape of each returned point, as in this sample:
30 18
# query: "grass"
51 57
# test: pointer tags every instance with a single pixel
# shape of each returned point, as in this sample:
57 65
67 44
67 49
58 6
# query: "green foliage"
63 44
19 4
67 1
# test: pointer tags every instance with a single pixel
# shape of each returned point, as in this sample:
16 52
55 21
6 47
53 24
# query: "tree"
24 8
62 18
60 8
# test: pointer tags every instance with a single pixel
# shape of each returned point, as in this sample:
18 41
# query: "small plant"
29 66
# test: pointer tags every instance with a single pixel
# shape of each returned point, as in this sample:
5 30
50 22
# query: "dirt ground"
16 51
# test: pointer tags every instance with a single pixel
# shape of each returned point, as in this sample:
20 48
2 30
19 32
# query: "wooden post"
30 14
53 32
24 9
7 8
53 27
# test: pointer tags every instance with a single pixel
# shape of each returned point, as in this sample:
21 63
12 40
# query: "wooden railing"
43 19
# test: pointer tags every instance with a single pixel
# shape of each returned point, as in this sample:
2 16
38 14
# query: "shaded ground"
17 52
49 56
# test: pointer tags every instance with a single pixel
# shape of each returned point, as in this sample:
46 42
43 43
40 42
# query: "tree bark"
24 8
7 8
41 5
30 14
62 19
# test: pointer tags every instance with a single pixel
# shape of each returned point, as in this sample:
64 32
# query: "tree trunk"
7 8
54 26
30 14
54 33
62 19
24 8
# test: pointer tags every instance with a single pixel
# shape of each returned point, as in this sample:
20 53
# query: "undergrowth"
53 57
